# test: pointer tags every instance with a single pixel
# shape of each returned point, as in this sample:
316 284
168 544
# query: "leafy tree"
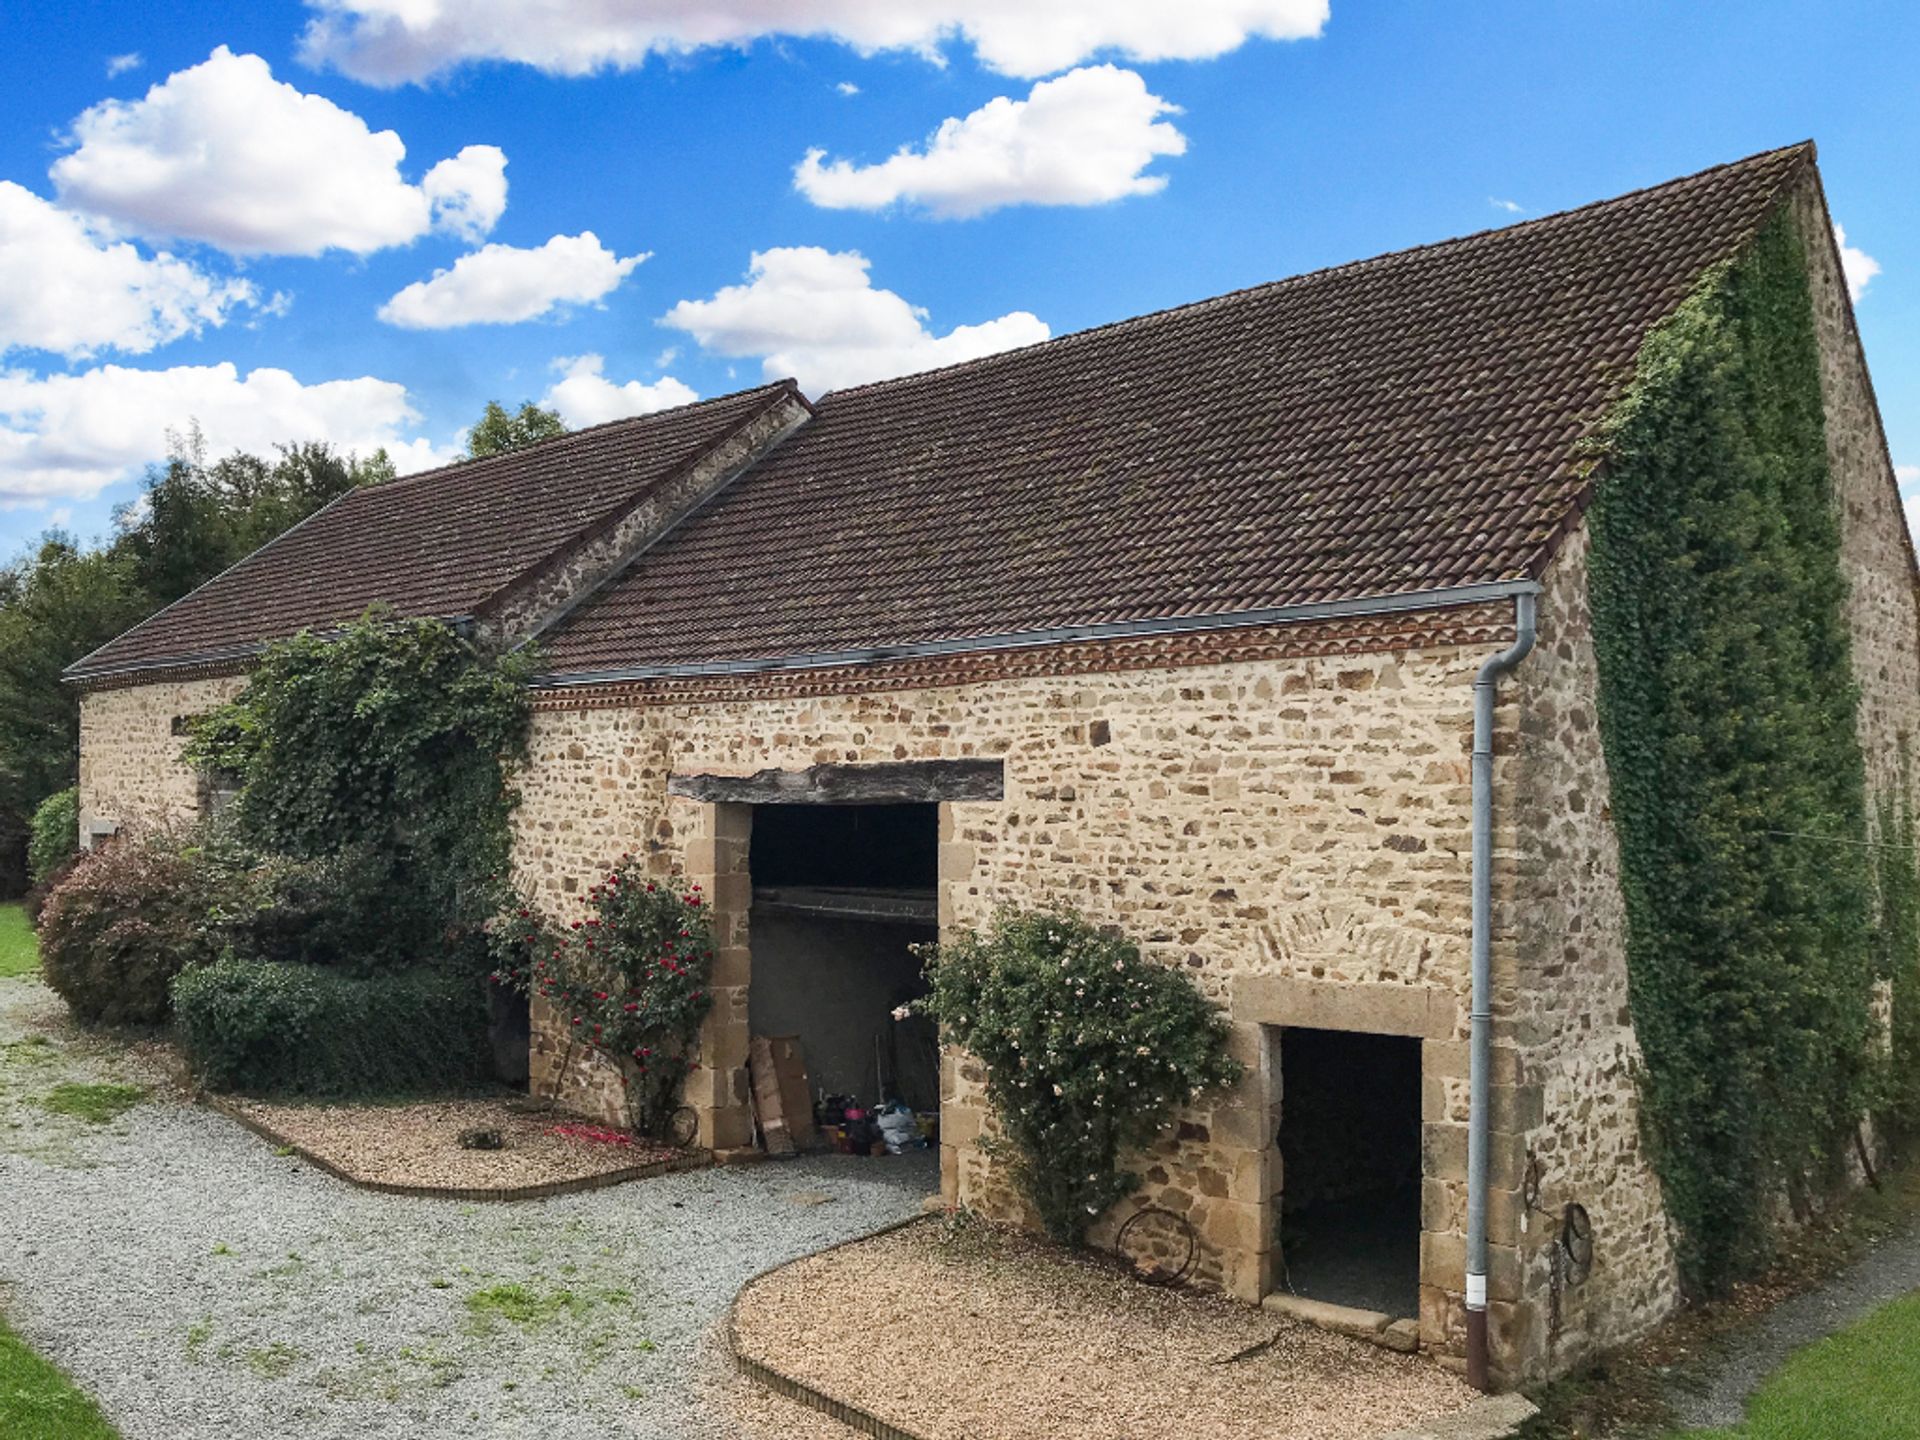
500 430
196 519
61 601
56 605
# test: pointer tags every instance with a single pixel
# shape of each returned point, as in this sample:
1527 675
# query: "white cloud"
814 314
69 436
389 42
65 289
504 284
584 396
848 88
1908 478
121 64
1082 139
1512 207
224 153
469 191
1859 267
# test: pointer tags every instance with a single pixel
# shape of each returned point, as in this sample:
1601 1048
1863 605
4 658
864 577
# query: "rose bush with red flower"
629 980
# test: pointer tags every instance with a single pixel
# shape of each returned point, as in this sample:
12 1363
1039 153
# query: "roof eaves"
83 669
1394 603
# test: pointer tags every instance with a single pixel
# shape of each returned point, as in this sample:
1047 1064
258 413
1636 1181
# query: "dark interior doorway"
840 894
1350 1156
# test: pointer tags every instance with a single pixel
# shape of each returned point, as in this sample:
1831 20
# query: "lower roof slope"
1399 424
441 543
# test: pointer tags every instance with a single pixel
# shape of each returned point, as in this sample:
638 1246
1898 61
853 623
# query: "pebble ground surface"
1075 1350
203 1287
418 1144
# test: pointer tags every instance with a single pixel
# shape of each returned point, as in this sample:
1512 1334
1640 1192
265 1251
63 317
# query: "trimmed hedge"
289 1029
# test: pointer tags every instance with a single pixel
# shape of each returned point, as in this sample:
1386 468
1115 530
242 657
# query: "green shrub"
327 911
1089 1050
122 924
272 1028
56 833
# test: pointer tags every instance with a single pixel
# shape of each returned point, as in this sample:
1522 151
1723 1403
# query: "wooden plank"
796 1100
767 1101
891 782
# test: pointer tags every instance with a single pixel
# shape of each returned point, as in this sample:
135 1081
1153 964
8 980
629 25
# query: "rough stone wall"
1875 548
1560 973
1293 833
130 767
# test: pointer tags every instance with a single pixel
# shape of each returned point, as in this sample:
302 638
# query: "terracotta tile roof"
1402 423
440 543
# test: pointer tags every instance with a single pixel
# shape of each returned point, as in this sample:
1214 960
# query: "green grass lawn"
18 952
1862 1384
37 1400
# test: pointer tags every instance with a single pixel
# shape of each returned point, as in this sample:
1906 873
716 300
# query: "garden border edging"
799 1391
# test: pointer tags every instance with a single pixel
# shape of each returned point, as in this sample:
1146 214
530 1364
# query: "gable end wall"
1560 955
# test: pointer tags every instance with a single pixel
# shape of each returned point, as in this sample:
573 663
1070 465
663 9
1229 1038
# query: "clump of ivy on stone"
1089 1050
1729 712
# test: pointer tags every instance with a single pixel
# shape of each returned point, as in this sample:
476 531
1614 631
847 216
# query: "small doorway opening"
1350 1165
841 894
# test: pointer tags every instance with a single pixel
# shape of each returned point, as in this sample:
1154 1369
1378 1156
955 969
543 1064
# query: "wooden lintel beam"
902 782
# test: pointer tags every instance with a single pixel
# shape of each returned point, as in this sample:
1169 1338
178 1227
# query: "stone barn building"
1178 621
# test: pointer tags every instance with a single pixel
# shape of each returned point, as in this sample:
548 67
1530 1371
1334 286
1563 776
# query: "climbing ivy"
386 750
1897 956
1728 707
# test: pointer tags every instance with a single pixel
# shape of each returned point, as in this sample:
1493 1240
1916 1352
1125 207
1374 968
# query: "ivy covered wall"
1728 712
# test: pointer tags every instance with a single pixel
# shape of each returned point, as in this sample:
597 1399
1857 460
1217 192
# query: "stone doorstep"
1376 1327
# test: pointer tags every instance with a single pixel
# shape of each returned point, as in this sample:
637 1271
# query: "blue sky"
189 188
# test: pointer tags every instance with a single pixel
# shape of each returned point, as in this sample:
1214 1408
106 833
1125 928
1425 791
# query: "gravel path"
1718 1396
204 1288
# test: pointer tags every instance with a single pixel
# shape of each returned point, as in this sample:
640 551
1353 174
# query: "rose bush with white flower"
1089 1049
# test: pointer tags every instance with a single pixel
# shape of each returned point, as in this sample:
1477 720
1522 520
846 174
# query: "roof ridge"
469 465
769 394
1325 272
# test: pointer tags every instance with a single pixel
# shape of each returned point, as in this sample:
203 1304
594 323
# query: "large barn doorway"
840 895
1350 1158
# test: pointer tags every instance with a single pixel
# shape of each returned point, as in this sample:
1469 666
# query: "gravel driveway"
204 1288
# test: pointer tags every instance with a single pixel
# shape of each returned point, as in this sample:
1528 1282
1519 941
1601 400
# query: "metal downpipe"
1480 1054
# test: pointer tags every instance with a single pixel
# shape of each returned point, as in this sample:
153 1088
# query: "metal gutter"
1480 1051
1397 603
